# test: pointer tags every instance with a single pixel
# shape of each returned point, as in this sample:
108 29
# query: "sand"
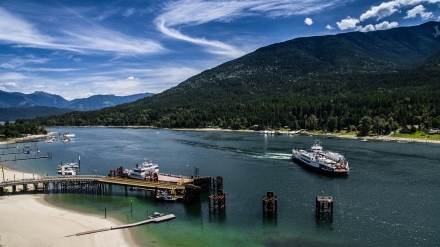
27 220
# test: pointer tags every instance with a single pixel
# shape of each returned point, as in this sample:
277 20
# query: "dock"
155 220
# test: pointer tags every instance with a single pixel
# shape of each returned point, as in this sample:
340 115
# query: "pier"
155 220
95 184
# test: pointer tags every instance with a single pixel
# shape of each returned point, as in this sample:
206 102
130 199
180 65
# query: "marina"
365 203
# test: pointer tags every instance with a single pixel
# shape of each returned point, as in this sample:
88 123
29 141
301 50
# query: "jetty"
155 220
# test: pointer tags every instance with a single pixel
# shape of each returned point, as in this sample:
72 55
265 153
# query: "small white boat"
155 215
68 135
364 140
163 196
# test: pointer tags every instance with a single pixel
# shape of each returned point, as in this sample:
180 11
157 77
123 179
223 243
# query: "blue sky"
81 48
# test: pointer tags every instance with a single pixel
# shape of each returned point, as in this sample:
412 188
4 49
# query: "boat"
144 171
163 196
68 135
364 140
68 169
155 215
321 160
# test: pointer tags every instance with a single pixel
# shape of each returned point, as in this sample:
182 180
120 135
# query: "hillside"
305 82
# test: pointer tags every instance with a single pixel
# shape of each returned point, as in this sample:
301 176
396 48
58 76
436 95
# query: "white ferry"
321 160
68 169
144 171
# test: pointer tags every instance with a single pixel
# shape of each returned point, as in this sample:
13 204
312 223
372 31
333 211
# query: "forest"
364 102
373 82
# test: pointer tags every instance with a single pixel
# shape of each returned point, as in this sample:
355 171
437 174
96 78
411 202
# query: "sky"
80 48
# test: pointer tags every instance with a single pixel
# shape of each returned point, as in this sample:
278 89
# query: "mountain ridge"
288 82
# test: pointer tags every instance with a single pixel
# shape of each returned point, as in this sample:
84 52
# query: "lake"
388 199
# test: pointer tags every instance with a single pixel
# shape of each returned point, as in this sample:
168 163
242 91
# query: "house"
409 129
434 131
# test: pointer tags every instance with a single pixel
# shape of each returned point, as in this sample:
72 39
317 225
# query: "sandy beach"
27 220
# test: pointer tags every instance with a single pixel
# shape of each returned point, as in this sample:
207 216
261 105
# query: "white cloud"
329 27
128 12
81 38
215 47
18 63
386 9
418 10
386 25
308 21
381 11
367 28
349 23
131 78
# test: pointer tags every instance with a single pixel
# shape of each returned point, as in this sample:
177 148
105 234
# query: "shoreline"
29 220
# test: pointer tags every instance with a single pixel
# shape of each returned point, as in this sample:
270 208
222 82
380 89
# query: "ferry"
144 171
68 169
321 160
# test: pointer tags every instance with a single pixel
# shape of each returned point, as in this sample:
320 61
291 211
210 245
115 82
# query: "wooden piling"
217 201
270 203
192 194
324 205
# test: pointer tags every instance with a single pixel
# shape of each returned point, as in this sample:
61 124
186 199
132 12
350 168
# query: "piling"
324 205
270 203
192 194
217 201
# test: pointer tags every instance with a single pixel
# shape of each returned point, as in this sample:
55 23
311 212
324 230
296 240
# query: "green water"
389 198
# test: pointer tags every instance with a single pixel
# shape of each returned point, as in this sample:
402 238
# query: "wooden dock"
155 220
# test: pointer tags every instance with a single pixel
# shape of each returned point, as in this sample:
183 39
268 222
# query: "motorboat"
155 215
163 196
320 160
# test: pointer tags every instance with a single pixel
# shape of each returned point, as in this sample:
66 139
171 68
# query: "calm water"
390 197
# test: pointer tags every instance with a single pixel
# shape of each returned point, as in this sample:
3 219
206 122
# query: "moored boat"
163 196
68 169
321 160
155 215
145 171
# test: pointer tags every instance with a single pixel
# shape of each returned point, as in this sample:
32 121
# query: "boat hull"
335 172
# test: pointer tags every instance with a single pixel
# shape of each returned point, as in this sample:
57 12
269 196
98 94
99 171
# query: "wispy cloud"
81 38
215 47
185 13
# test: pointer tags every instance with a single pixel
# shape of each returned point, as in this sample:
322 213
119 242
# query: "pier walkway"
90 182
155 220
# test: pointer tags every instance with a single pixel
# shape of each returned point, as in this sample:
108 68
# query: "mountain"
387 74
18 105
96 102
13 113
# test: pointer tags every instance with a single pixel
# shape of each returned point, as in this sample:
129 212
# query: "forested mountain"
389 77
